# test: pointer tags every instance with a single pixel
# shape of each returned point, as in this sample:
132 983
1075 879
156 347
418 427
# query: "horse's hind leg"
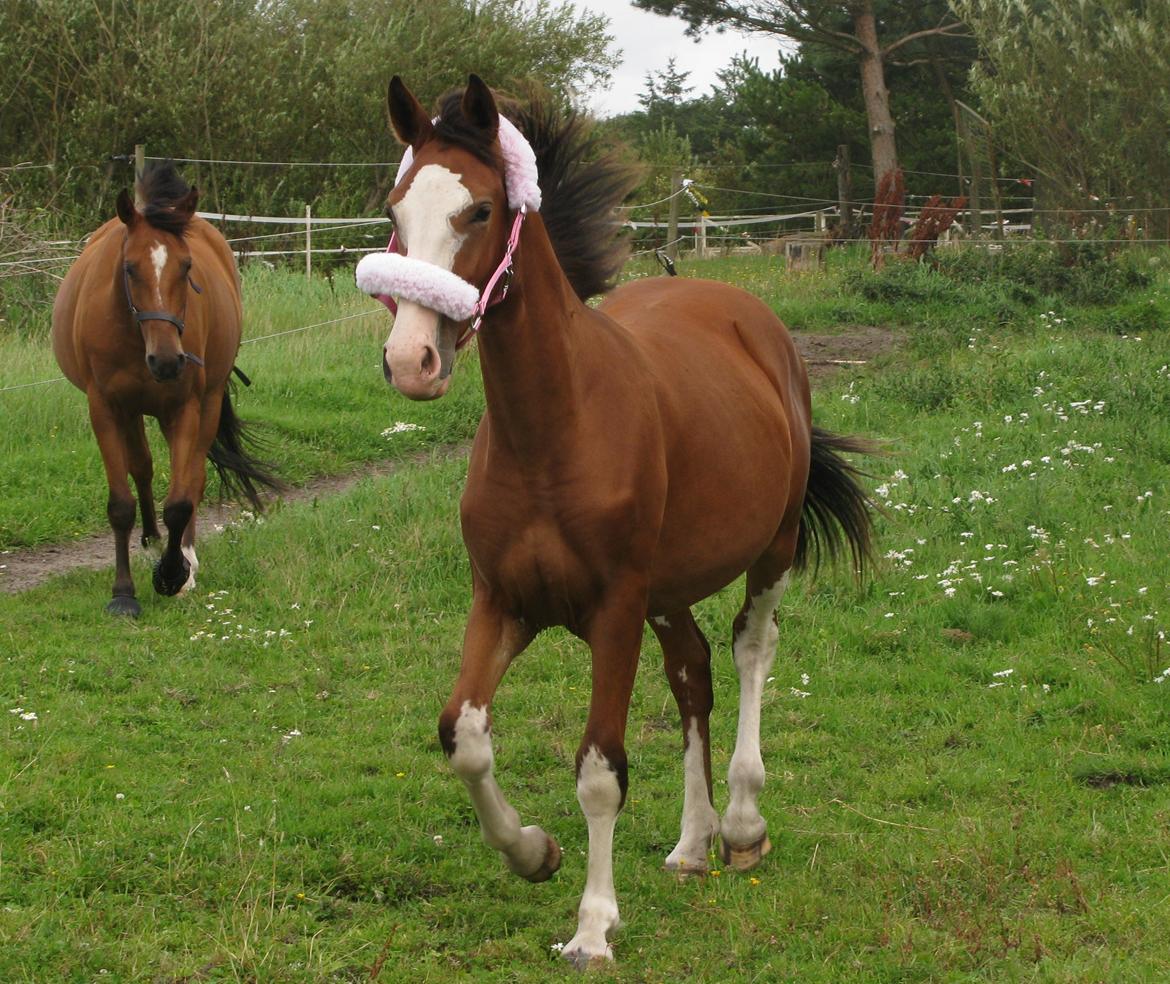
743 831
141 467
120 507
687 661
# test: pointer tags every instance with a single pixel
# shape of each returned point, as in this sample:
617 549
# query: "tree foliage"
1081 93
257 80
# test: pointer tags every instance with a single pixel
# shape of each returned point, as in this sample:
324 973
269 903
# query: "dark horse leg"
490 642
142 471
109 429
189 435
744 835
687 661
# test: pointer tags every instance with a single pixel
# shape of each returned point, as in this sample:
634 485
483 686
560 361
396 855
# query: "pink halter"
383 275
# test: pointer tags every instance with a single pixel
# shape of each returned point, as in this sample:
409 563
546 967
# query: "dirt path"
24 569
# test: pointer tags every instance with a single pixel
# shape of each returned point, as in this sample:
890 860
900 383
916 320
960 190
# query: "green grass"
245 784
318 400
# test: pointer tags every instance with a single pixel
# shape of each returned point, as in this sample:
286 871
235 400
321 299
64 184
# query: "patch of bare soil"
24 569
829 354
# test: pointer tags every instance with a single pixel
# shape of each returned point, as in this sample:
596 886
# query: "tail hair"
241 474
837 512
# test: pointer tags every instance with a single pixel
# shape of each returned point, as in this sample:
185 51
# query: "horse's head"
452 209
156 269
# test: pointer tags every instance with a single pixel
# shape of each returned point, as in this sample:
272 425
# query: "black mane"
161 189
580 183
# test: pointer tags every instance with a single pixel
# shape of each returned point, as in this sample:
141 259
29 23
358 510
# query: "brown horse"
147 321
633 460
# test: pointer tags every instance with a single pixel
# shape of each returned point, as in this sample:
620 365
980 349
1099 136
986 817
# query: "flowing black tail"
242 475
836 507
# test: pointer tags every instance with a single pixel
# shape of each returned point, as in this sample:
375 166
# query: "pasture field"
968 754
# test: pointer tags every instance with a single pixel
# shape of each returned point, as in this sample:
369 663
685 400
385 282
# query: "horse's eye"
483 213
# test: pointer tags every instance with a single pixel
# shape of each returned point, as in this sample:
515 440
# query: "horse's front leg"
189 435
491 641
614 635
141 467
120 506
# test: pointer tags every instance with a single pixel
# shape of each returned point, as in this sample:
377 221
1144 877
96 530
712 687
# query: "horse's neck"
535 351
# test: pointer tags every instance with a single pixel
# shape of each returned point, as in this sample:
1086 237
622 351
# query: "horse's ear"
479 105
410 121
126 210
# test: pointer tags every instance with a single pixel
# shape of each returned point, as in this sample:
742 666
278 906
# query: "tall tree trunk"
877 97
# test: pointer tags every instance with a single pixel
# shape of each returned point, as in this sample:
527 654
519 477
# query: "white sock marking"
755 649
700 822
600 799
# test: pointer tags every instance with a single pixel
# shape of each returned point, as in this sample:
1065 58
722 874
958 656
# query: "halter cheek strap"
141 316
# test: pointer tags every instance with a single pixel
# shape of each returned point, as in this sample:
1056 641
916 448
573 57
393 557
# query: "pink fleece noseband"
390 274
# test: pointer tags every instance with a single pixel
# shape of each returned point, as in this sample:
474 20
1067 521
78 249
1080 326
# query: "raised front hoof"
548 866
171 580
744 858
124 605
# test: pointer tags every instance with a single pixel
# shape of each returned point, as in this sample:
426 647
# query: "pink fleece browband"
389 274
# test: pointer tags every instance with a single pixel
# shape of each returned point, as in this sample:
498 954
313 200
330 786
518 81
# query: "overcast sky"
647 42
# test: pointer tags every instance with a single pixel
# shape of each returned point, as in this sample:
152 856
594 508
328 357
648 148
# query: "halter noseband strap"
141 316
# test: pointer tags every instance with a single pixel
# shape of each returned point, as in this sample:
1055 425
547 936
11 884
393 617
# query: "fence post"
672 215
139 171
308 242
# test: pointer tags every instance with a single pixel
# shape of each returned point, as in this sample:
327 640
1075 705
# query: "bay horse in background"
632 460
147 322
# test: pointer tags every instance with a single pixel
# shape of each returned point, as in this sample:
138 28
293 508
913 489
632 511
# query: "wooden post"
702 244
844 192
308 242
139 171
672 220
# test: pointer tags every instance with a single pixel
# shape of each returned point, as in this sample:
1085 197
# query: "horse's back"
712 339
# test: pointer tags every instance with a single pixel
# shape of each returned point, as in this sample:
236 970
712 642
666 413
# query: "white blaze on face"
423 217
158 259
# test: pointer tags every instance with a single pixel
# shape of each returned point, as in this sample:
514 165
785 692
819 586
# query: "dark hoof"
169 581
744 858
124 605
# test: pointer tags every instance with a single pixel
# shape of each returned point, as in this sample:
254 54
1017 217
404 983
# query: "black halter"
141 316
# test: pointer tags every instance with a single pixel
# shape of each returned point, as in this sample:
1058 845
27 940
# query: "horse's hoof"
550 864
124 605
582 959
170 583
682 870
744 858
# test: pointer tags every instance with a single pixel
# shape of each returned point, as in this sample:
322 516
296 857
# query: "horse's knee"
466 736
602 778
121 511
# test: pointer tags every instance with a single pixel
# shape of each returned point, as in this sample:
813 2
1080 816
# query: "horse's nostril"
430 361
386 370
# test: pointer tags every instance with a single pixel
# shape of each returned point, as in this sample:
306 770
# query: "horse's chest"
533 562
